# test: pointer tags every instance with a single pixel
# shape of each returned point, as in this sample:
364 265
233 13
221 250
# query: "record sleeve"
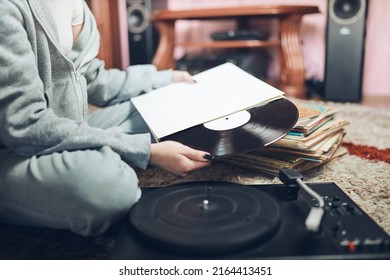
217 92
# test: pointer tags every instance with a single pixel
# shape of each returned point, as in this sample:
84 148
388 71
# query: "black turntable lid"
205 217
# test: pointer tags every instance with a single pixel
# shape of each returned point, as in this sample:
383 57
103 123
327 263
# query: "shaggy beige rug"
362 174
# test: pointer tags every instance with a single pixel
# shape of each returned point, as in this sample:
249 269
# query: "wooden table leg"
292 72
163 58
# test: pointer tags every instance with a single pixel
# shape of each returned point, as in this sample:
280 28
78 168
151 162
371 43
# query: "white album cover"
218 92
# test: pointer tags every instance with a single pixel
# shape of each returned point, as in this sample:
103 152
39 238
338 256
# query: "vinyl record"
205 218
241 132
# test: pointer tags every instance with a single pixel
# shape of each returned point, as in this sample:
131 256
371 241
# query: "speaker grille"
345 39
346 11
138 17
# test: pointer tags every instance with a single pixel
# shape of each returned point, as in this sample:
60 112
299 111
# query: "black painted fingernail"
208 157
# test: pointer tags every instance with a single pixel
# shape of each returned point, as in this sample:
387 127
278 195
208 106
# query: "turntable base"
218 220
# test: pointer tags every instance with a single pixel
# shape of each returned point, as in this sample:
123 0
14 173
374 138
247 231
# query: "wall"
376 75
377 49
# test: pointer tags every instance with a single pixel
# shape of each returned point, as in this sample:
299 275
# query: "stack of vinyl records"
315 139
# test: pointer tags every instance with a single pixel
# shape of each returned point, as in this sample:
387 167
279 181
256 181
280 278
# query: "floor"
370 100
377 101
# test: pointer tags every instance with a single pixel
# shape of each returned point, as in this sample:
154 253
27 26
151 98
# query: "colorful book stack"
315 140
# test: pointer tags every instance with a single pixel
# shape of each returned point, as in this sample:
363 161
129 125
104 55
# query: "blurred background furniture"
292 70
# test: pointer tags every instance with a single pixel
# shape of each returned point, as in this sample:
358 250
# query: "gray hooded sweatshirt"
44 94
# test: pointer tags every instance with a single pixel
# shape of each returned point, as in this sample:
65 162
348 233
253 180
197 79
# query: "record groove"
266 124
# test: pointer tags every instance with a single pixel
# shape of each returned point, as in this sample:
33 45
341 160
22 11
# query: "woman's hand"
182 76
177 158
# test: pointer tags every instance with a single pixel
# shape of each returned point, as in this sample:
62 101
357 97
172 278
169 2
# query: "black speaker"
143 38
345 36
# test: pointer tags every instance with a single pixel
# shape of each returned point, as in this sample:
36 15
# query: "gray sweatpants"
84 191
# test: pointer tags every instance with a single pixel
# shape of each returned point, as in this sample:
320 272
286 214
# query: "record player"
222 220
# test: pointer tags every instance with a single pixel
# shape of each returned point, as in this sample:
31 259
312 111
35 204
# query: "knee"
105 188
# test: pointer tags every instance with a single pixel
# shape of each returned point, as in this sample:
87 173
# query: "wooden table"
292 72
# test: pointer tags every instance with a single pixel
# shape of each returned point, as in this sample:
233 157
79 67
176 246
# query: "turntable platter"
205 218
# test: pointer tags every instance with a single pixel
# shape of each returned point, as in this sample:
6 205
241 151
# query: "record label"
229 122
